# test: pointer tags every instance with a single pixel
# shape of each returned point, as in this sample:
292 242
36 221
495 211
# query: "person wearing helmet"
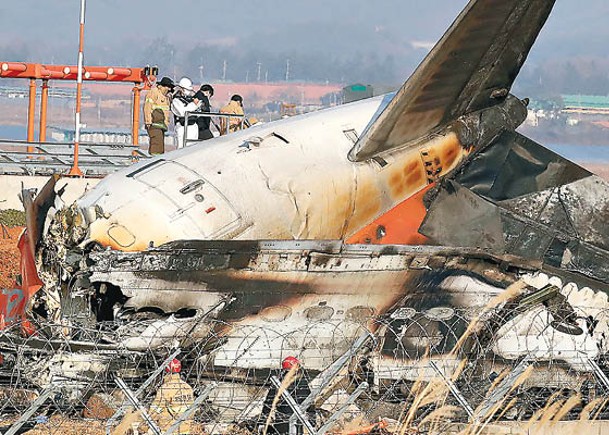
173 398
157 114
276 412
184 101
234 107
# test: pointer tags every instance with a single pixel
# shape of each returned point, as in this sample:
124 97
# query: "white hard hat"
186 83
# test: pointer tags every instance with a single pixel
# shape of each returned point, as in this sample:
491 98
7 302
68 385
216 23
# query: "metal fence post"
455 391
137 405
186 414
44 396
120 411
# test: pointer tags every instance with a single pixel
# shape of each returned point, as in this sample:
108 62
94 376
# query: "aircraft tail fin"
472 67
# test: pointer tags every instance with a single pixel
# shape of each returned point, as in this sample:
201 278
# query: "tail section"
471 68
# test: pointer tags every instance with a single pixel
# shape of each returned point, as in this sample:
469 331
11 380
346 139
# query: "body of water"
13 132
582 153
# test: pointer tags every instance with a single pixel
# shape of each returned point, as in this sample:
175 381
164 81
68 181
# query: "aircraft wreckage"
404 217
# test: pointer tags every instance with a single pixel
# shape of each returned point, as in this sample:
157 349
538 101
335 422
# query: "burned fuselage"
157 256
254 303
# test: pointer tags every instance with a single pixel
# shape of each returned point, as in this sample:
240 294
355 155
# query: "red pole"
75 171
44 98
135 128
31 114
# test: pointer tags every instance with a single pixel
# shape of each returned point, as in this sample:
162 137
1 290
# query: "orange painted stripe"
399 226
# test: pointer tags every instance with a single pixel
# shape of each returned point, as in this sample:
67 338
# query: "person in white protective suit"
183 101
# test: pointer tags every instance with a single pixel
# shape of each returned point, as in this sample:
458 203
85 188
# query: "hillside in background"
333 41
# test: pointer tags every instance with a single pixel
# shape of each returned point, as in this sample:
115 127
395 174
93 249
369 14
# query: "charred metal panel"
466 220
187 274
512 166
472 68
516 197
37 207
516 235
350 263
579 208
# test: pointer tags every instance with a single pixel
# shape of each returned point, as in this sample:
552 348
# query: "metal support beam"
120 411
300 414
330 373
137 405
334 417
44 99
185 137
43 397
501 390
186 414
600 374
75 170
31 113
135 126
455 391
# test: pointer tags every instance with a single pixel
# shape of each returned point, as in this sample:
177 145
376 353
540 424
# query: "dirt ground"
59 425
9 255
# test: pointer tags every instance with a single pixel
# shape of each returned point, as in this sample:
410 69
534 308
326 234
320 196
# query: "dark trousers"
157 140
205 134
283 429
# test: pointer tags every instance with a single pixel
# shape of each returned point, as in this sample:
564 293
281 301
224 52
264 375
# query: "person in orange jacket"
234 107
157 114
172 399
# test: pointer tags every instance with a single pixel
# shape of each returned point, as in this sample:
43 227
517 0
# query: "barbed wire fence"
409 370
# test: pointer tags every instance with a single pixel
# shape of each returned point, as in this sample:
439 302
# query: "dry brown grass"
287 380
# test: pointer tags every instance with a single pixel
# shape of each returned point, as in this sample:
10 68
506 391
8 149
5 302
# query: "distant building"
106 136
586 104
357 92
259 94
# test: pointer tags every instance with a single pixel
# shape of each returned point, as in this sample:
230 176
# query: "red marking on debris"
210 209
13 301
27 328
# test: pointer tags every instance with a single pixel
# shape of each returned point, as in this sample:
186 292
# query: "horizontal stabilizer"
471 68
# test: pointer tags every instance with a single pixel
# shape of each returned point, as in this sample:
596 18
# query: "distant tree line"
588 76
238 63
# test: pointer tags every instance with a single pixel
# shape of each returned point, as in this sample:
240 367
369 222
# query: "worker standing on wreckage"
173 398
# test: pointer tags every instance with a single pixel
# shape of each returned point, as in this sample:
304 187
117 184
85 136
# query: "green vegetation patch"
12 218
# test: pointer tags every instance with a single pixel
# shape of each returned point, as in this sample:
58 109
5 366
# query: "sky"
118 32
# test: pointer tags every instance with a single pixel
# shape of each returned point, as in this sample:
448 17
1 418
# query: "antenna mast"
287 71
